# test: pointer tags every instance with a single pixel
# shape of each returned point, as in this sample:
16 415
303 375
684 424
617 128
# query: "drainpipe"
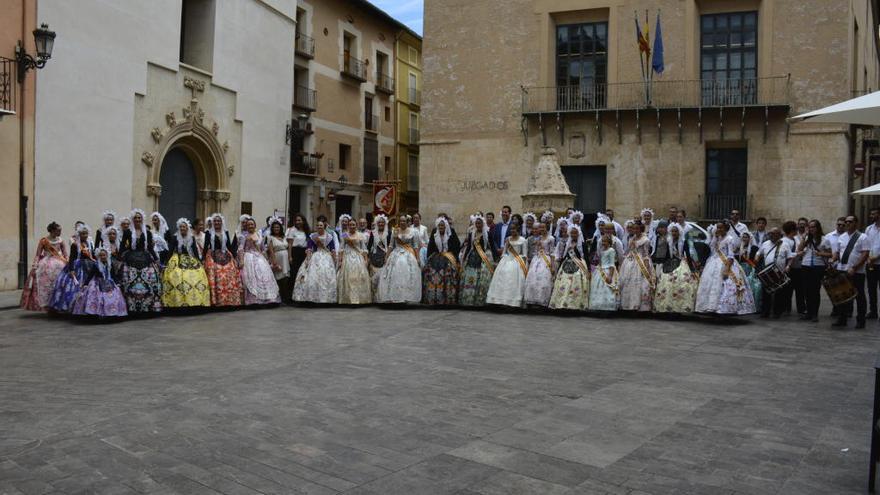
22 197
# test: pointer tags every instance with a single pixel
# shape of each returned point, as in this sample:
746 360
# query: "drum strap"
849 247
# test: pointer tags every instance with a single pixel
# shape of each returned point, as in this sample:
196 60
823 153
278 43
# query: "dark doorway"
587 183
178 180
726 182
343 204
294 204
371 160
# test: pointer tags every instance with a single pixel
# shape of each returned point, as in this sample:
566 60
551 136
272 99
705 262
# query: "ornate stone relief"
577 145
147 158
193 84
170 119
154 190
157 134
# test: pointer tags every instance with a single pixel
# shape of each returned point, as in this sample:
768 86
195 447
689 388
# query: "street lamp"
44 40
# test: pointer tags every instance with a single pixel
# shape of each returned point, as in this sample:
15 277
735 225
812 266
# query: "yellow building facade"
408 50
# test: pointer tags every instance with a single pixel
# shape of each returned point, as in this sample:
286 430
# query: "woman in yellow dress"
184 281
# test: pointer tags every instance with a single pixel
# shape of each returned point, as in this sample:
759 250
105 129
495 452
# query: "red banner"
384 198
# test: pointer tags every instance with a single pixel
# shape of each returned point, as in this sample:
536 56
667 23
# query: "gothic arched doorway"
179 186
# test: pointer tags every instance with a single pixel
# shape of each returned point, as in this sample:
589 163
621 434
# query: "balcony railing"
305 98
304 164
414 137
719 206
371 123
696 93
305 46
7 86
353 68
384 83
415 96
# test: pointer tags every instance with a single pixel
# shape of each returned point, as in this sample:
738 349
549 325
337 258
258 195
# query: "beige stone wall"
471 114
16 23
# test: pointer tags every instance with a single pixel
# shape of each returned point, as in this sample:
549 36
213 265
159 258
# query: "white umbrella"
864 110
869 191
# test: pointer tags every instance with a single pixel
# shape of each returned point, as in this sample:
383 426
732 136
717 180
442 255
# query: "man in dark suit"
501 231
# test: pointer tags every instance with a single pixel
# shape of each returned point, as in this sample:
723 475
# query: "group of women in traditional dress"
138 265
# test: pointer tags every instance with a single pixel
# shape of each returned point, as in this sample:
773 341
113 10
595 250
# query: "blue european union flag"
657 59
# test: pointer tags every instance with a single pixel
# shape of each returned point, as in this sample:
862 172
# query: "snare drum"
773 278
839 288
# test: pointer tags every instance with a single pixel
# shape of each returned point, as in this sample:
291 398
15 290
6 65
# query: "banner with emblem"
385 198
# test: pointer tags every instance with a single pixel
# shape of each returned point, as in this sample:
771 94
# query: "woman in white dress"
723 286
316 280
637 277
257 279
539 282
509 281
353 278
605 285
401 278
279 259
378 246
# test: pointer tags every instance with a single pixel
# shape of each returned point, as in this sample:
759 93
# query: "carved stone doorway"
179 186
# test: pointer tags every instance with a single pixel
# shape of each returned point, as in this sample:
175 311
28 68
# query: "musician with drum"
851 254
814 251
773 257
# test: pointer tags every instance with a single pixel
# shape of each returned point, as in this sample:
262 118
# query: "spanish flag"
642 38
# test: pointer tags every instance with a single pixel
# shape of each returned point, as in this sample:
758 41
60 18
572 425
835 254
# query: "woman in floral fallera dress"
257 278
605 285
539 282
221 265
637 272
141 282
353 280
100 295
316 281
49 261
677 289
572 287
184 282
401 279
70 282
378 246
476 264
442 271
723 286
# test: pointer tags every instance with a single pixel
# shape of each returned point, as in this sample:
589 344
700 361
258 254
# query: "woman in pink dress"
49 260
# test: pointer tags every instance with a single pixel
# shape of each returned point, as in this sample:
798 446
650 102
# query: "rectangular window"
371 121
344 156
581 65
387 114
412 176
247 208
726 181
729 58
197 33
413 128
413 56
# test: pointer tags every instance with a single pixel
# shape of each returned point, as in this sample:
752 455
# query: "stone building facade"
409 102
178 106
344 125
504 79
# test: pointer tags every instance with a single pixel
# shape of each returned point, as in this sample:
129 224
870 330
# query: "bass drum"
838 287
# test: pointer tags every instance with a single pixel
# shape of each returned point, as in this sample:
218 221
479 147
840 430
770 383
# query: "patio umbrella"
869 191
864 110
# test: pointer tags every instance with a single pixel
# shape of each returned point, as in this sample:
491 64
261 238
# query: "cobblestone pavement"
419 401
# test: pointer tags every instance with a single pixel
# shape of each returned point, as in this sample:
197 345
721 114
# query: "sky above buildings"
409 12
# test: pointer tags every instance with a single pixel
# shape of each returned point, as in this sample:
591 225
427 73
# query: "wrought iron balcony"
354 68
384 83
696 93
414 137
719 206
371 123
7 86
304 164
415 97
305 98
305 46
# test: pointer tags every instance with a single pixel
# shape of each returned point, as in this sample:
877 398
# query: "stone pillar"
547 188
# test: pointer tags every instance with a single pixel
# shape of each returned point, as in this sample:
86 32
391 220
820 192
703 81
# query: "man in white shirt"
852 254
737 228
795 272
773 252
832 238
872 276
760 233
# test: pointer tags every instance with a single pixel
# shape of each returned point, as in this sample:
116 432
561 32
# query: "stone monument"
547 188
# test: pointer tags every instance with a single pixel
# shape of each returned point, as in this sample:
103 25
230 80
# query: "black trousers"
811 286
873 278
858 280
800 299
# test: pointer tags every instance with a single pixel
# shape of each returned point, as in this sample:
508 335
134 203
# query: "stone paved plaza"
420 401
